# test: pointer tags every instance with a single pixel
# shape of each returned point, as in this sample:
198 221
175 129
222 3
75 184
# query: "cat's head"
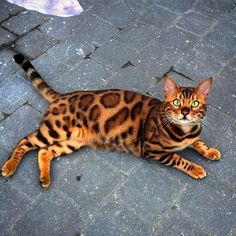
185 105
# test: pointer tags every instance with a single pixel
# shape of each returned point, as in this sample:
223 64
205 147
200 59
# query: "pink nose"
185 111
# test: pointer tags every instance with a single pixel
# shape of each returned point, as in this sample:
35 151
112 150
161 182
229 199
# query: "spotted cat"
118 120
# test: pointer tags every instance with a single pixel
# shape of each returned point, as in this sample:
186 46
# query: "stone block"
24 22
132 79
88 75
71 51
116 219
119 14
196 22
13 205
95 31
60 27
53 214
11 99
97 181
158 17
136 36
113 55
7 65
21 123
149 191
178 6
34 44
212 206
6 37
122 161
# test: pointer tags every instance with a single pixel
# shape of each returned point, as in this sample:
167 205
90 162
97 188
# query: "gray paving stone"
179 41
116 219
6 37
132 79
113 55
34 44
122 161
88 75
196 22
219 46
142 5
10 100
136 36
71 51
225 27
214 8
224 96
119 14
213 206
177 224
13 204
95 31
7 66
24 22
199 65
61 27
159 18
98 180
19 124
178 6
154 60
10 8
149 191
54 214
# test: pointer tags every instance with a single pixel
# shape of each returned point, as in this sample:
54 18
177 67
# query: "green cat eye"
195 103
176 102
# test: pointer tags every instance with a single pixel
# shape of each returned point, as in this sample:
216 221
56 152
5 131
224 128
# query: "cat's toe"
213 154
197 172
8 168
45 181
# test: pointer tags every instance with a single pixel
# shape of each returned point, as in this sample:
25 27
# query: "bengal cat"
119 120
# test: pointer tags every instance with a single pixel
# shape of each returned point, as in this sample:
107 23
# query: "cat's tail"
38 82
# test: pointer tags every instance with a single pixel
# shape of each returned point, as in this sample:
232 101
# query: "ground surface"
120 44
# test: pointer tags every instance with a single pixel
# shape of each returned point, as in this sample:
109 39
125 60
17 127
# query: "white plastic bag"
64 8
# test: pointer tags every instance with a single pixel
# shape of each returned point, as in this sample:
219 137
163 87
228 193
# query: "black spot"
85 122
34 75
110 100
72 109
58 123
131 130
94 113
72 148
124 135
129 96
96 127
41 138
136 110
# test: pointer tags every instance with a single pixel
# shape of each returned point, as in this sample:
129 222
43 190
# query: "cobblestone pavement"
120 44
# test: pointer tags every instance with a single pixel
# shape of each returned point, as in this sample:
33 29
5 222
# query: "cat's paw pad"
9 168
213 154
197 172
45 180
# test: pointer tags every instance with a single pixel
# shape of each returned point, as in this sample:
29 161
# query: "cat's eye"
195 103
176 102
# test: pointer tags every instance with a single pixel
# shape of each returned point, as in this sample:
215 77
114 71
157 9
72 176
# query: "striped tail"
44 89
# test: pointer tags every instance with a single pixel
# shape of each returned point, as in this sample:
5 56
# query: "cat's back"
108 118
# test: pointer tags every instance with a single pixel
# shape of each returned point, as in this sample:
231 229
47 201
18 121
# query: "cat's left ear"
204 87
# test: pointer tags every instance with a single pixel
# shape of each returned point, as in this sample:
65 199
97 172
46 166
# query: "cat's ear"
204 87
169 85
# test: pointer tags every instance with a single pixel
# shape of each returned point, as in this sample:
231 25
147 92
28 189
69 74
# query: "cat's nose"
185 111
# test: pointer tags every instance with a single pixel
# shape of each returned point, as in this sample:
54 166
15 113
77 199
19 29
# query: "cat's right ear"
169 85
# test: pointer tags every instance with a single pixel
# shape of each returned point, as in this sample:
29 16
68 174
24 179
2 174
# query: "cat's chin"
185 122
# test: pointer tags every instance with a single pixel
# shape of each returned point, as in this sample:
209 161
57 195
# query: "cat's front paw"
45 180
197 172
212 154
9 168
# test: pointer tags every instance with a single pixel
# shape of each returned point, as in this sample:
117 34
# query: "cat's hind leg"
210 153
178 162
25 145
46 154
